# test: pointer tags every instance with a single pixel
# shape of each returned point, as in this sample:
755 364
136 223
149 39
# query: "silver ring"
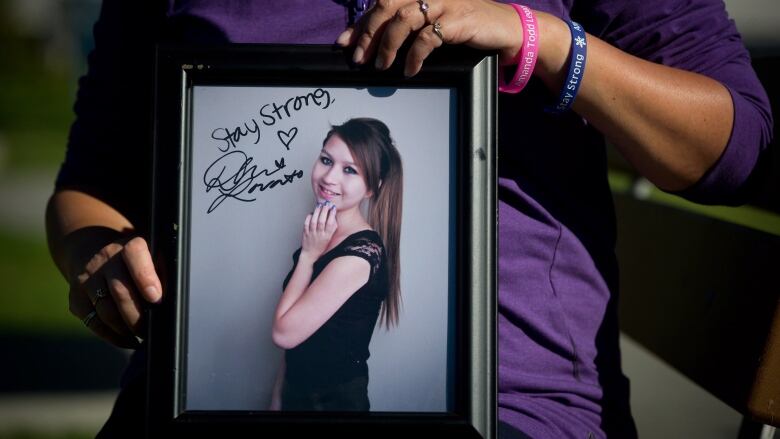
424 8
100 294
88 319
437 30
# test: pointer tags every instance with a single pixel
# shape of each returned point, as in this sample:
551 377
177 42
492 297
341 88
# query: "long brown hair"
372 148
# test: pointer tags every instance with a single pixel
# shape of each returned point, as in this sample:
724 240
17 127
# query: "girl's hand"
318 229
482 24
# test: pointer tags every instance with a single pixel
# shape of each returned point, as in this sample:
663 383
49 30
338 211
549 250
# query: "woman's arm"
672 124
306 305
318 230
103 184
305 308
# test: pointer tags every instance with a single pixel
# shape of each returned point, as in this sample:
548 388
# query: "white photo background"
242 243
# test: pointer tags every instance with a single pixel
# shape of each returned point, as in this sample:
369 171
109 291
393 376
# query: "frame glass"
242 154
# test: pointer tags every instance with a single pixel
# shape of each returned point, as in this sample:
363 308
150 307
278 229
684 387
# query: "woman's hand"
318 229
110 273
108 294
482 24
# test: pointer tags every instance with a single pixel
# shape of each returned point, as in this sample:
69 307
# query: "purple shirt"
559 361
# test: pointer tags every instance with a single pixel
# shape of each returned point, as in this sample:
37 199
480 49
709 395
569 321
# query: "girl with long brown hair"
346 273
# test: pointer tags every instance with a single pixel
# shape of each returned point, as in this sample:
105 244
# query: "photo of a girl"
346 274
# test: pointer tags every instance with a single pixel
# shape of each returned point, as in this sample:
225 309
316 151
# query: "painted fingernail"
343 39
357 57
379 63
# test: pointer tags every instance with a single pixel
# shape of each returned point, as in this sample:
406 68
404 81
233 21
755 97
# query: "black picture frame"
471 374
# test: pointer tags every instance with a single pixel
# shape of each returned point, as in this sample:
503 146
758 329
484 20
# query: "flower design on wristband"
571 85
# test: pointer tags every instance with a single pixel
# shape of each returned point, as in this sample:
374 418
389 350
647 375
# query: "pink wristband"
526 59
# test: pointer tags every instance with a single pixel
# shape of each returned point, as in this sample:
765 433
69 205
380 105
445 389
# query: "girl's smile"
336 178
326 194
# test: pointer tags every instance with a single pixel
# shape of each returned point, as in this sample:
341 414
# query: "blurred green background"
51 363
40 66
43 46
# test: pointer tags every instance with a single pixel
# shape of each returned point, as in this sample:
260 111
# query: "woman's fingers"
132 280
125 296
315 219
322 218
407 20
307 223
138 261
100 295
347 38
92 287
427 40
81 307
372 26
482 24
318 228
331 225
116 283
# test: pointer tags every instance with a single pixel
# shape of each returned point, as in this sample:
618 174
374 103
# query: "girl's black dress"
328 371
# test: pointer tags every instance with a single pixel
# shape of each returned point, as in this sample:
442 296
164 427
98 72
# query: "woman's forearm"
672 125
296 286
72 211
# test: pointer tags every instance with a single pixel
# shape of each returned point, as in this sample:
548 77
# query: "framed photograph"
326 238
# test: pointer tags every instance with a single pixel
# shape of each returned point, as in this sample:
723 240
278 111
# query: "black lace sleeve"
369 248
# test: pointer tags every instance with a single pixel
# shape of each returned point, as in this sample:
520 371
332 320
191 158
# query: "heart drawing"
287 137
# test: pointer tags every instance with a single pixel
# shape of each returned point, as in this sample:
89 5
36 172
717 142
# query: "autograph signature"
233 176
